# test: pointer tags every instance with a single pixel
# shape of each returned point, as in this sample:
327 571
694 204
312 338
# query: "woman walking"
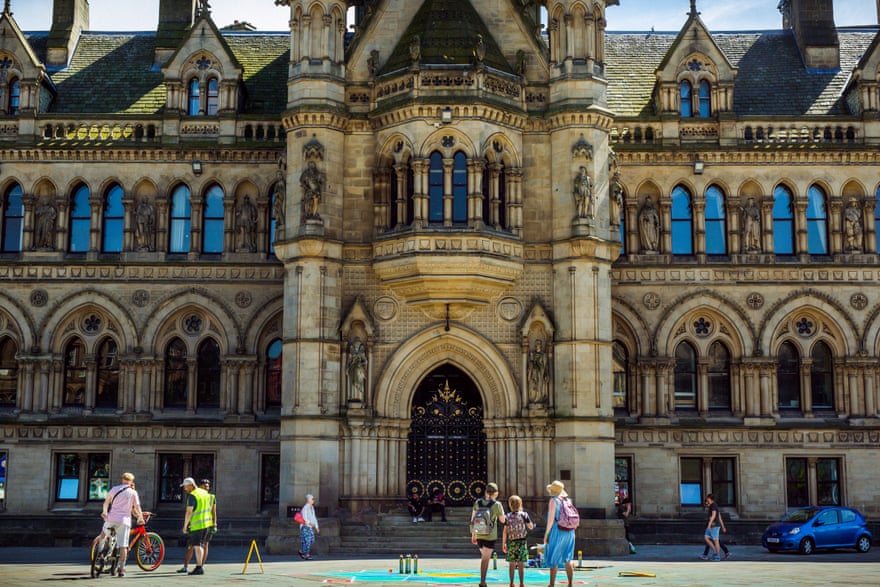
558 542
308 530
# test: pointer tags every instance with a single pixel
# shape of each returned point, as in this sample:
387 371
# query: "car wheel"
863 544
807 546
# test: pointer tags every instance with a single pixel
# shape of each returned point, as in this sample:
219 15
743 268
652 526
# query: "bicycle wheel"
98 558
150 551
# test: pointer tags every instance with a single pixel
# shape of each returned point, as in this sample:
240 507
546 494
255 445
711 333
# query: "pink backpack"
569 518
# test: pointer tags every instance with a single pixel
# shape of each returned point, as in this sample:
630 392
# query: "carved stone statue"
357 370
538 373
144 223
852 226
312 181
616 200
479 50
751 231
44 229
583 194
246 223
278 204
415 48
520 62
649 226
373 62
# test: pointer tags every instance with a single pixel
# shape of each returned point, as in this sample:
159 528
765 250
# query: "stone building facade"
430 245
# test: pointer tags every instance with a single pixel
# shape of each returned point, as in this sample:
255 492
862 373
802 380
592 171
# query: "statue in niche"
44 229
373 62
357 370
246 223
278 204
616 199
312 181
144 223
415 49
538 373
649 226
583 194
751 227
479 50
520 62
852 226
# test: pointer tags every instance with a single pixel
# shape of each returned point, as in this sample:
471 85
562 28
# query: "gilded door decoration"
447 445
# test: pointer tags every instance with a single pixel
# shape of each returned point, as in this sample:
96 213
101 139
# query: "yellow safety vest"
201 517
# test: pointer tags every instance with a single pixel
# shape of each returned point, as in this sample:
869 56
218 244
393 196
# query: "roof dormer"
24 85
695 78
203 77
863 90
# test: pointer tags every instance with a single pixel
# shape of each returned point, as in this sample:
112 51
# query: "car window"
799 516
847 515
828 517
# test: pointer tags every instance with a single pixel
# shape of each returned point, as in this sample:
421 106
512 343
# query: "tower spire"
693 11
7 7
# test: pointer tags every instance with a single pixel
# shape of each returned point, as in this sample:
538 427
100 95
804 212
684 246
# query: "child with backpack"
485 517
513 541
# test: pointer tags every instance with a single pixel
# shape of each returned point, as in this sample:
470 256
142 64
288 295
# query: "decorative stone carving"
145 225
357 370
852 226
751 227
583 194
246 225
538 372
649 226
44 229
312 181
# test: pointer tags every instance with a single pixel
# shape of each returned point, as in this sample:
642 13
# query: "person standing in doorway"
197 522
308 530
714 527
558 542
485 517
625 512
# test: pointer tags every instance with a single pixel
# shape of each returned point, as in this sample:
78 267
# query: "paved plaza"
674 566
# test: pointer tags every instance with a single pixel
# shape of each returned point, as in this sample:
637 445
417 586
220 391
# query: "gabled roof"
771 80
448 31
682 39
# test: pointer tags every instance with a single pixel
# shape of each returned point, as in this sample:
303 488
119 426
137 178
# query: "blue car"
806 529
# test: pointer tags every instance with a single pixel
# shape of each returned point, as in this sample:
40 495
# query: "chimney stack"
176 17
812 22
69 19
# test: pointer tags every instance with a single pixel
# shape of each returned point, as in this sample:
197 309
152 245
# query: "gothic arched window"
208 374
620 359
8 372
194 97
212 229
14 96
107 380
273 374
13 220
685 377
685 92
817 222
783 222
682 222
435 188
75 373
716 223
114 220
788 377
719 377
705 99
176 375
213 98
80 220
181 213
822 377
459 188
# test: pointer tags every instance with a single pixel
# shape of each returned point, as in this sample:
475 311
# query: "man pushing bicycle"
121 502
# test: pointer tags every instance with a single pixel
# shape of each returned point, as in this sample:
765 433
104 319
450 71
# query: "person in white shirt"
121 502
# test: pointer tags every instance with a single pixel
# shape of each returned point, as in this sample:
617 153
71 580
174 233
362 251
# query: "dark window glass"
716 224
783 222
270 480
107 391
719 377
82 477
685 91
822 377
99 476
181 214
797 492
80 220
213 221
619 358
213 101
14 96
194 97
114 220
705 99
75 373
4 456
208 382
877 220
828 481
685 376
817 222
623 485
682 222
724 481
435 188
691 481
459 188
273 374
174 468
788 379
176 374
13 220
8 372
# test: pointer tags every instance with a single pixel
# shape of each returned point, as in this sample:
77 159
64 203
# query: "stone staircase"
394 534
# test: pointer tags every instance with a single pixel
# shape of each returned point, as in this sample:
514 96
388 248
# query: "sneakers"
704 557
716 558
421 520
197 571
183 570
727 555
120 573
415 520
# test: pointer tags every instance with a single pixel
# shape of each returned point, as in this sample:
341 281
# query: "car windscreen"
799 516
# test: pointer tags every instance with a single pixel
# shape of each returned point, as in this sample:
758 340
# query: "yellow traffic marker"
634 574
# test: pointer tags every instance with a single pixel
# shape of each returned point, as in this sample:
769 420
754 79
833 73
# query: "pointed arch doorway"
446 446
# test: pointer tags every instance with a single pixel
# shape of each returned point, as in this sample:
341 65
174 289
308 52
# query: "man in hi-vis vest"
198 522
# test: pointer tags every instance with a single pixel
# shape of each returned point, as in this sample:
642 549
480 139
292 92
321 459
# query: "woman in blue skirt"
558 543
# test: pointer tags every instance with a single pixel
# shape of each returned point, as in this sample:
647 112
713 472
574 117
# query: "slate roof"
771 81
113 73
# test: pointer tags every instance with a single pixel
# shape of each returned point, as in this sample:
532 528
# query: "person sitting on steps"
416 506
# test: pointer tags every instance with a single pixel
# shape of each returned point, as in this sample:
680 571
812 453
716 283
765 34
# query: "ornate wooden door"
447 444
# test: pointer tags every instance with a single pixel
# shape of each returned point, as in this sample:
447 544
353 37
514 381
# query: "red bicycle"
148 547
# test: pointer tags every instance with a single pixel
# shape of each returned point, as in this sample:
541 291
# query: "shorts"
199 537
713 533
517 551
490 544
122 531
